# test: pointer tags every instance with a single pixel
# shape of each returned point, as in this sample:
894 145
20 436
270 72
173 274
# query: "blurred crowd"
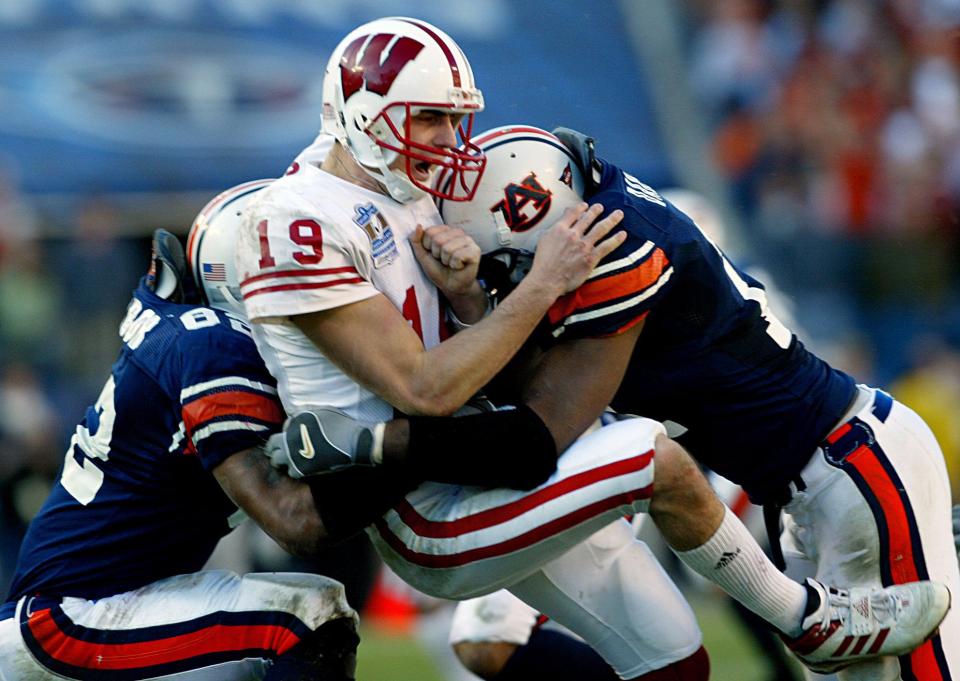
61 300
836 125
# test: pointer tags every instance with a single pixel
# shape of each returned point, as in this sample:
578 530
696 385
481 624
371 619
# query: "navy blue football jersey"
136 500
711 357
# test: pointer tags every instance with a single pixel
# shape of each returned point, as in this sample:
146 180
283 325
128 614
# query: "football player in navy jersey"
668 328
108 582
860 477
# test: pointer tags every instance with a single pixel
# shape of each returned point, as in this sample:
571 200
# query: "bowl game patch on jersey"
374 224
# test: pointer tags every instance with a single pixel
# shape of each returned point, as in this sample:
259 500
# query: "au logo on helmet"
370 67
525 204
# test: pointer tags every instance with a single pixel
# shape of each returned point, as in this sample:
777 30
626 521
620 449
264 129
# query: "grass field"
733 657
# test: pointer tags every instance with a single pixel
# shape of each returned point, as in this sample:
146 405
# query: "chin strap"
398 186
396 183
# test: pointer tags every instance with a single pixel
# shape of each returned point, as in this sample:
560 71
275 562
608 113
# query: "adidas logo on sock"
726 558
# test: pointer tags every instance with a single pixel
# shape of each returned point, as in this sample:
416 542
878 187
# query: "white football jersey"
312 241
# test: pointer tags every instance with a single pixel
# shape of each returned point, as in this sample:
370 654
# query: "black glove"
583 148
320 441
168 275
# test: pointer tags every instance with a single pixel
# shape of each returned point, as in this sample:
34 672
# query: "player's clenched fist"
448 256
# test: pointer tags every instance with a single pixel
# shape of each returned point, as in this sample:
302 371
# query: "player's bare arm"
282 506
392 361
574 381
562 395
450 257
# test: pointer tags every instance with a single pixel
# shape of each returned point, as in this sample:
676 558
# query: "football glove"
320 441
169 275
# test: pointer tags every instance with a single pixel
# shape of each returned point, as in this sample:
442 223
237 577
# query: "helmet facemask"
464 163
501 270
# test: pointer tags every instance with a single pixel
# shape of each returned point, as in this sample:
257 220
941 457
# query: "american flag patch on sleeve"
214 271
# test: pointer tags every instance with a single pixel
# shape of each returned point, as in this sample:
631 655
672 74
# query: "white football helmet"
381 75
530 179
212 247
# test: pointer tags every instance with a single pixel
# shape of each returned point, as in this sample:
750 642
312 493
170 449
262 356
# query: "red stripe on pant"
900 556
214 639
445 529
513 544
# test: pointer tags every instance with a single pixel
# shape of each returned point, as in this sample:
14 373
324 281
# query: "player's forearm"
295 523
350 499
280 505
511 447
452 372
375 346
470 307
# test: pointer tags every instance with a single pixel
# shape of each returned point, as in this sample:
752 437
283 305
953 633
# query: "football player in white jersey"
330 256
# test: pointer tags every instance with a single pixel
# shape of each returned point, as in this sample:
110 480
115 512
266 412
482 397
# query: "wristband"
459 325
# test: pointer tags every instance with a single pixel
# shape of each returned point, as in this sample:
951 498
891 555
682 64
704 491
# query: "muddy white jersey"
312 242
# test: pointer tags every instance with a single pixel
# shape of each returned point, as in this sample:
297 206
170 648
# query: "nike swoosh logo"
307 451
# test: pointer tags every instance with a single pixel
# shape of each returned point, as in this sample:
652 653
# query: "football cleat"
320 441
864 623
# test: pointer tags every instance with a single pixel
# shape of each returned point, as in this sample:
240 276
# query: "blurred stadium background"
826 131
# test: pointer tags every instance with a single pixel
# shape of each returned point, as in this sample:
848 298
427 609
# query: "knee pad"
328 652
313 599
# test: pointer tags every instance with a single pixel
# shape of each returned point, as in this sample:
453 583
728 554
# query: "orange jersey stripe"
231 403
610 288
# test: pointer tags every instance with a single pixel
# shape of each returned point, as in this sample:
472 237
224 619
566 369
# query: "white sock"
733 560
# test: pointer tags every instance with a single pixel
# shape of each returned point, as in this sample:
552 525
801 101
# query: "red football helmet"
382 74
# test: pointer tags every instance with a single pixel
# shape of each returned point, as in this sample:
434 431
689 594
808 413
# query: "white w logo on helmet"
363 63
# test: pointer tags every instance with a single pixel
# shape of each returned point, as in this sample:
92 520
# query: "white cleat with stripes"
864 623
